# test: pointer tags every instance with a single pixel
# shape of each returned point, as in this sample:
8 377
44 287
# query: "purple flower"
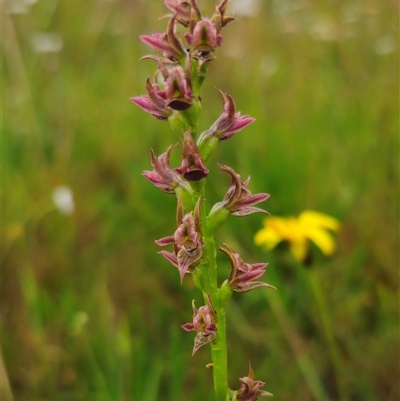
164 176
155 103
204 322
250 389
204 35
187 240
228 123
178 88
204 39
242 274
238 200
183 10
167 43
192 167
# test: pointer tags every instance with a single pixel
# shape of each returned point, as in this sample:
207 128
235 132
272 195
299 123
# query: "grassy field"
89 311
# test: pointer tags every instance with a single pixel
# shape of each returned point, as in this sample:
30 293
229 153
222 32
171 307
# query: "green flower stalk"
173 96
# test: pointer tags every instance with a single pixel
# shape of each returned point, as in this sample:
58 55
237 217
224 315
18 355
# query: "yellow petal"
316 219
298 248
323 239
286 228
267 237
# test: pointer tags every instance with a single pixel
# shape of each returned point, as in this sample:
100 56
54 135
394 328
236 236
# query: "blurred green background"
90 311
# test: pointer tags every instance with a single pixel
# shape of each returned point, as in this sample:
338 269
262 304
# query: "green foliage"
89 310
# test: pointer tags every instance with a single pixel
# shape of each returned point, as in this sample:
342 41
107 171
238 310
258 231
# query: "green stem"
220 359
205 278
218 346
330 337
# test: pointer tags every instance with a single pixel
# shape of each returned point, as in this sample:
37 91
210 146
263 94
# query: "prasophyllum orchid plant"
173 96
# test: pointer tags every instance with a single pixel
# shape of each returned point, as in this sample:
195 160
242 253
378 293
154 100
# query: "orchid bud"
219 19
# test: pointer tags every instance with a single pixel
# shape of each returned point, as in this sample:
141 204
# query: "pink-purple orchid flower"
204 322
164 176
154 103
187 240
242 274
228 123
238 200
167 43
192 167
250 388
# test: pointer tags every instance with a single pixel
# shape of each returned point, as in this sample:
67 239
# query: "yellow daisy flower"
308 226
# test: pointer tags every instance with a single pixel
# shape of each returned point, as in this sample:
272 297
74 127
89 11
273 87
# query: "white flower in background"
385 45
63 200
47 42
246 8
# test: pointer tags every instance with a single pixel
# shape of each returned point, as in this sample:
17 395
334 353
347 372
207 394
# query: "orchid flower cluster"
173 96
